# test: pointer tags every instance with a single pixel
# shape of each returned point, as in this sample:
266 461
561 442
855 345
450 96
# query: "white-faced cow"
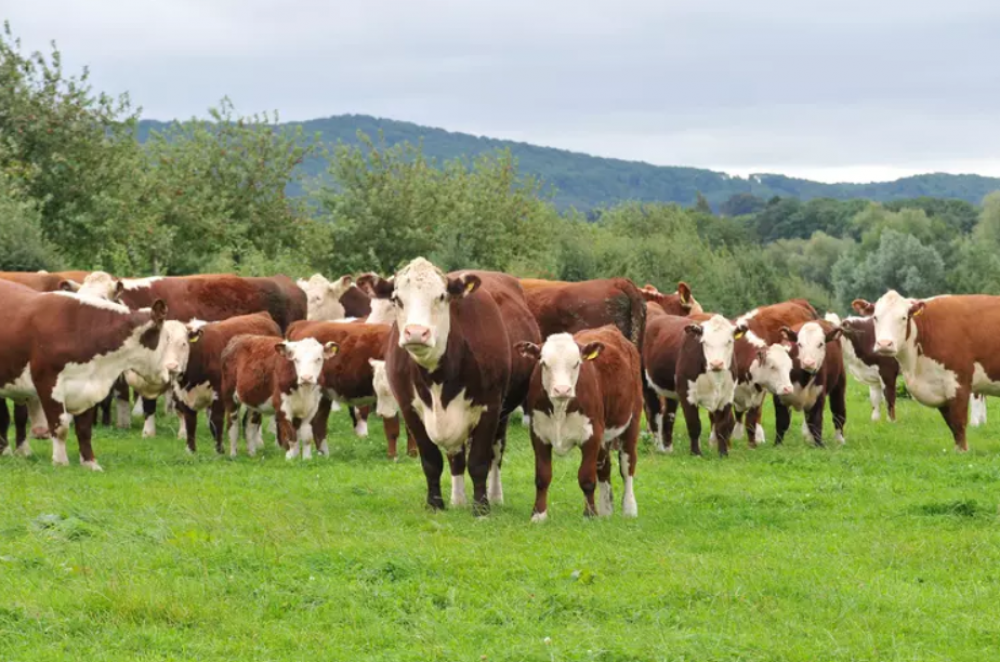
586 392
945 349
67 350
270 376
453 369
817 373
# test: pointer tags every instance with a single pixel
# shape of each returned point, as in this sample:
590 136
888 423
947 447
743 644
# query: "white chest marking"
448 426
562 430
301 403
981 382
803 397
930 383
198 397
712 390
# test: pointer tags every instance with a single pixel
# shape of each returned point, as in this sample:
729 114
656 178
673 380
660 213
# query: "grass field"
886 549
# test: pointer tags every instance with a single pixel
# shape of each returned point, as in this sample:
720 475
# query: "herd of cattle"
455 354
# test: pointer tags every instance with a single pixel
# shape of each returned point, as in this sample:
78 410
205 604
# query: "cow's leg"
390 425
814 419
481 452
456 463
361 427
149 412
494 483
665 442
4 428
693 425
123 405
84 423
782 419
875 398
605 492
627 457
319 425
543 478
21 416
723 422
956 415
838 408
589 468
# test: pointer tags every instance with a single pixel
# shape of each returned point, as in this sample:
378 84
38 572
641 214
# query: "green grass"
886 549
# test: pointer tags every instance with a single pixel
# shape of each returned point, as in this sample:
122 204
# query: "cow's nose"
417 333
562 391
717 365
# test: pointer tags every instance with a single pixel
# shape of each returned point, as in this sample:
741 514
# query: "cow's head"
560 359
307 356
772 369
323 296
717 336
385 402
421 295
97 284
809 344
892 316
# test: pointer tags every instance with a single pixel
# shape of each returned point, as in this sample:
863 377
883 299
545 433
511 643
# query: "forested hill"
585 182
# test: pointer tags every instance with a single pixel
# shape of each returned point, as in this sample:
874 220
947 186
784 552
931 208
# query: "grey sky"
835 90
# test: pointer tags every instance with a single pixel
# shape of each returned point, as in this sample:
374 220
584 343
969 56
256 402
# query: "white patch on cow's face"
892 315
717 340
423 312
775 373
100 285
385 402
448 426
812 347
95 302
308 356
323 297
560 365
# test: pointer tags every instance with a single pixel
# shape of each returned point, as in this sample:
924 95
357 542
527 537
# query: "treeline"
79 189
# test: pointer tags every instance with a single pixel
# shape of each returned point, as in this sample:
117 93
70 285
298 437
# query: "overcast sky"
839 90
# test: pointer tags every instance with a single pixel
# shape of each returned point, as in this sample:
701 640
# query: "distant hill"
585 181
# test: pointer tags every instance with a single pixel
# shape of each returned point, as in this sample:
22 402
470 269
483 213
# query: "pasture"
886 549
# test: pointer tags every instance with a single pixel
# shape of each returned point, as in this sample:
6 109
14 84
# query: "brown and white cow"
878 373
586 392
453 369
280 378
199 386
817 373
67 350
348 377
944 348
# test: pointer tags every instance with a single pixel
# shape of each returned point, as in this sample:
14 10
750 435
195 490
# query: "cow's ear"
694 330
591 350
917 308
528 350
684 290
463 286
159 311
788 335
69 286
330 350
740 331
195 336
862 307
834 333
282 349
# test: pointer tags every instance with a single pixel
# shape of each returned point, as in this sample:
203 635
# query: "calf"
878 373
586 391
452 368
199 386
816 372
348 377
67 350
944 347
274 377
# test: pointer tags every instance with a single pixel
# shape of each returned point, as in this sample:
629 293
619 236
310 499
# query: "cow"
943 348
199 386
878 373
273 376
323 298
452 367
816 372
67 350
586 392
348 377
765 324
